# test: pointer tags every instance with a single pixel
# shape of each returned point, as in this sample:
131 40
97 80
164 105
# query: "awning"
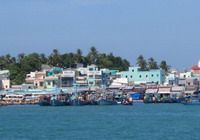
151 91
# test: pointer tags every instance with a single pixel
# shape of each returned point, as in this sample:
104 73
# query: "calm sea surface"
137 122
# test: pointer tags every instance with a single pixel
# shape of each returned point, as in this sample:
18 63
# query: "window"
90 76
131 76
146 76
132 70
91 69
49 83
41 84
91 83
126 76
157 75
152 75
140 76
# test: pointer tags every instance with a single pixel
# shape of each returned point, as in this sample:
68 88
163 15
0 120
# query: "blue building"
137 76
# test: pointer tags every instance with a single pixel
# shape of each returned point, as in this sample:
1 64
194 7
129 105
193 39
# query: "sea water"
137 122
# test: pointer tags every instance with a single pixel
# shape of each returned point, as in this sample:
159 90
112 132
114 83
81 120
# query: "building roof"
164 90
195 67
4 72
178 88
152 90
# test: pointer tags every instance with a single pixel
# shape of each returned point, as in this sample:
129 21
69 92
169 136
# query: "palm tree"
55 52
20 57
164 66
93 55
55 58
43 58
79 56
141 62
152 64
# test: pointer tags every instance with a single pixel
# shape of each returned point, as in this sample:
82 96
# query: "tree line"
151 64
23 64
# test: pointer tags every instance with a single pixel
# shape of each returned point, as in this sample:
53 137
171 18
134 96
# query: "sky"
164 29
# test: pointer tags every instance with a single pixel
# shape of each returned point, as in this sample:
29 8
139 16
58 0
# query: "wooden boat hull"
106 102
44 103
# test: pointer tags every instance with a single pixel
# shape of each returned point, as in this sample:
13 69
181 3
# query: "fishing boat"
191 100
107 98
78 102
44 100
106 102
127 101
59 100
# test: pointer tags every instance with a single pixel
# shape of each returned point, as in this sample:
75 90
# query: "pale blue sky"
163 29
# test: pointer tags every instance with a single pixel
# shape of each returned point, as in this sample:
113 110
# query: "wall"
138 77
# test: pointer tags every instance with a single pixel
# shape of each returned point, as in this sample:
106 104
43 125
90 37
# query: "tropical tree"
43 58
55 59
79 57
20 57
152 64
141 62
92 55
164 66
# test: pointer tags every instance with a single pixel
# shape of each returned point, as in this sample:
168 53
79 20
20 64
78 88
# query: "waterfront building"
137 76
94 76
37 79
4 79
187 74
171 79
119 83
114 74
196 70
51 82
105 77
81 77
67 78
177 91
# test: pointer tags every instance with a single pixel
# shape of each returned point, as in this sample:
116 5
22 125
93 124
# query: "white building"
184 75
4 79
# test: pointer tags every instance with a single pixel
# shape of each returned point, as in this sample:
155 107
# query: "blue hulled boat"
191 100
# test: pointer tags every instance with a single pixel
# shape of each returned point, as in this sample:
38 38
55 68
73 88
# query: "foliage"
141 62
152 64
164 66
23 64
